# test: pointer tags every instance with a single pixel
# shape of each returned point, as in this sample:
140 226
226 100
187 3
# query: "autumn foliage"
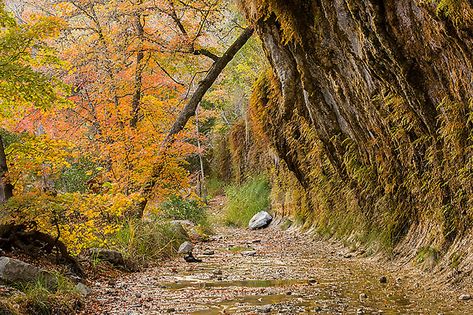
88 92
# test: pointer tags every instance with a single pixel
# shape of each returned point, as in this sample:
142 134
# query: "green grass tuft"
246 200
144 242
38 298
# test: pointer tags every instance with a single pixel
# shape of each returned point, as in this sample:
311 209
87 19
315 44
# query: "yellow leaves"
39 156
84 220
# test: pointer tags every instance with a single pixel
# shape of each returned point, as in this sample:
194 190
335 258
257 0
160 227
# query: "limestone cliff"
369 106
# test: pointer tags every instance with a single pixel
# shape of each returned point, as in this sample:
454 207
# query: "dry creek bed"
290 273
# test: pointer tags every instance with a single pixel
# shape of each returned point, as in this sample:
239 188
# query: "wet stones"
249 253
464 297
108 255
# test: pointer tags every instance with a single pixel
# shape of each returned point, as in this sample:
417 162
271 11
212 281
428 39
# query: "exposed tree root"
35 243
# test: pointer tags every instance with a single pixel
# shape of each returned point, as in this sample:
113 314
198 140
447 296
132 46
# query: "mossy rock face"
372 129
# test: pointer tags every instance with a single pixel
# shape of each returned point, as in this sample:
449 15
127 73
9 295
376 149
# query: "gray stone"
108 255
185 248
209 252
179 230
249 253
464 297
260 220
16 271
191 231
265 309
83 289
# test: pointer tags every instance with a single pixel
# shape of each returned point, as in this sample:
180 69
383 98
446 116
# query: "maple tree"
81 164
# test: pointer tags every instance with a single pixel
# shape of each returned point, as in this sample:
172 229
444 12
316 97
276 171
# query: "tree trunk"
6 188
206 84
137 94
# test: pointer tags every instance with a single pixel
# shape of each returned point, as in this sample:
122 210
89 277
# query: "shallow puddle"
223 284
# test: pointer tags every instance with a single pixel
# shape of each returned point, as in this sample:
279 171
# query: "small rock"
249 253
108 255
191 259
185 248
288 293
265 309
348 255
138 295
464 297
83 289
218 272
16 271
383 279
260 220
209 252
317 309
363 296
171 310
312 281
360 311
255 241
178 230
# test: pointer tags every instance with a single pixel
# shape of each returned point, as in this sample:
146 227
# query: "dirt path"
290 273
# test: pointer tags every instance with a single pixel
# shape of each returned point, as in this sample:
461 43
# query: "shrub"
83 220
178 208
246 200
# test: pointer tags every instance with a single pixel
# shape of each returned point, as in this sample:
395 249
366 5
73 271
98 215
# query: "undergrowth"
245 200
147 241
38 298
178 208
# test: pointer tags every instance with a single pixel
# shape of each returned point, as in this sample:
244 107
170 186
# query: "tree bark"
136 102
6 188
206 84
